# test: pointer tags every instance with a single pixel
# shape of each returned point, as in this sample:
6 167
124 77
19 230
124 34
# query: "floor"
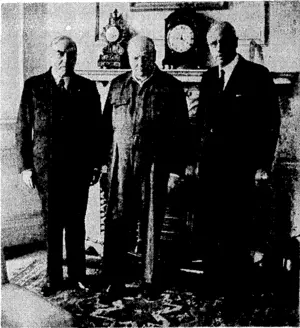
177 306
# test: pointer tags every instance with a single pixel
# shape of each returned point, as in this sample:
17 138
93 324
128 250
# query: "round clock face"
112 34
180 38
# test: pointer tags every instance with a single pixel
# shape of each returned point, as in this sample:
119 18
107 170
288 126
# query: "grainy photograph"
150 164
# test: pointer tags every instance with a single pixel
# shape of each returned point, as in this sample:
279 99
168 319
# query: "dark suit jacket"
56 133
239 126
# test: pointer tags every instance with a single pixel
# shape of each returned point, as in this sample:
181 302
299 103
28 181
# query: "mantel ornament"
185 39
115 35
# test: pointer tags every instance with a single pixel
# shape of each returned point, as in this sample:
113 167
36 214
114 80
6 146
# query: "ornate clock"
181 38
185 39
112 34
116 35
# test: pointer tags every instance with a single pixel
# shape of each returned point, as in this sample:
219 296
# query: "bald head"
142 55
223 28
63 55
222 42
141 43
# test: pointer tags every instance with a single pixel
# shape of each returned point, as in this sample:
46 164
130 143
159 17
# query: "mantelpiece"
106 75
191 76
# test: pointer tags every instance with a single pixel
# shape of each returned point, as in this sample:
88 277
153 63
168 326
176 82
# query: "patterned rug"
175 307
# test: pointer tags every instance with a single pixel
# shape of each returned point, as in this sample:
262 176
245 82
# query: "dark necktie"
61 85
222 79
62 96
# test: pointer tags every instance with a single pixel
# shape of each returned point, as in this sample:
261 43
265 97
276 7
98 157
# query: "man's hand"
27 178
190 170
260 175
104 183
95 176
174 181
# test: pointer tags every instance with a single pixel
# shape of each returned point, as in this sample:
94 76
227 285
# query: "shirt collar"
57 78
141 83
228 69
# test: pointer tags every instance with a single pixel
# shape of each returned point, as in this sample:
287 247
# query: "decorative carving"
116 35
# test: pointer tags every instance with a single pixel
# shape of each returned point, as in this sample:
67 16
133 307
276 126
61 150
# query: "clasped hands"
174 181
260 175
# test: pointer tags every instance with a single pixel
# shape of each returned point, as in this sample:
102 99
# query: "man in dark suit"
58 146
238 124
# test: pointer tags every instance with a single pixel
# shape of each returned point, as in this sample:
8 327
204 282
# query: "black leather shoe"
49 289
151 291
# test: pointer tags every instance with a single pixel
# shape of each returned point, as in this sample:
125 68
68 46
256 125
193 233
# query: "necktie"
222 79
61 85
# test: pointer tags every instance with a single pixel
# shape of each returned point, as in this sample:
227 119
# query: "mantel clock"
185 39
116 35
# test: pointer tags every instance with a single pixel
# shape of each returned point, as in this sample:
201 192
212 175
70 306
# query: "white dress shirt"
139 81
58 78
228 69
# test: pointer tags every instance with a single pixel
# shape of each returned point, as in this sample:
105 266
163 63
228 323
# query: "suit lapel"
47 94
74 85
214 80
50 86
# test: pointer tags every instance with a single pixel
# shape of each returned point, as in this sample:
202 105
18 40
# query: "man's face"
222 47
63 58
142 61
